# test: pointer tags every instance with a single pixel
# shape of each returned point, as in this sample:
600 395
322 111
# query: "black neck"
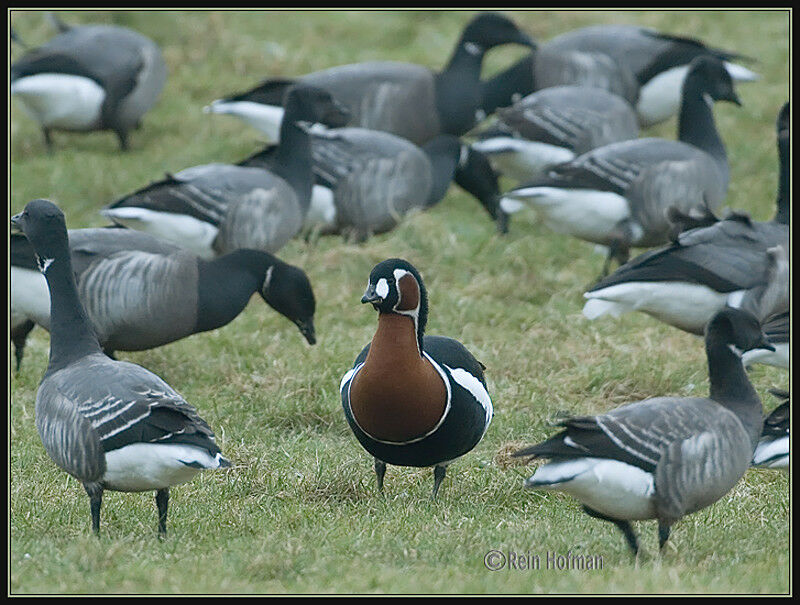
293 160
226 284
730 385
782 215
458 89
696 123
71 334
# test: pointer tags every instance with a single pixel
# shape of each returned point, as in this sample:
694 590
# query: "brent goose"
140 292
665 457
112 425
773 447
90 77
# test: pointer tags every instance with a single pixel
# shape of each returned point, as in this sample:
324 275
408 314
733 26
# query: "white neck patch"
707 98
267 278
413 313
43 263
736 350
472 48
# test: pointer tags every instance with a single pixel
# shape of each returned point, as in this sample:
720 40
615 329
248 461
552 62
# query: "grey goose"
214 209
704 268
772 450
368 180
90 77
112 425
552 126
769 302
665 457
405 99
618 195
140 292
645 67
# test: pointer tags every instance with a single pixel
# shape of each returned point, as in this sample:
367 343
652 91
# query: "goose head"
395 287
44 225
315 105
739 329
286 289
488 30
710 75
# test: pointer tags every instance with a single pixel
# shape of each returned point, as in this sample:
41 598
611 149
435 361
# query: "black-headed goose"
90 77
645 67
618 195
405 99
140 292
704 269
412 399
216 208
665 457
772 450
112 425
367 180
553 126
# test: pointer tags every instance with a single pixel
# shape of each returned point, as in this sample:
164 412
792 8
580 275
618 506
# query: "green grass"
300 511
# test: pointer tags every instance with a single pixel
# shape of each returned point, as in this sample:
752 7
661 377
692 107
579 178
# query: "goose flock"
353 150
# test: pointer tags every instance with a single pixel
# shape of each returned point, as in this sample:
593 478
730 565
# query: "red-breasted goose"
553 126
704 269
666 457
90 77
140 292
772 450
112 425
645 67
411 399
214 209
618 195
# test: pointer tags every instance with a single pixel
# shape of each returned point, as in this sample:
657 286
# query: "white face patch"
43 263
382 288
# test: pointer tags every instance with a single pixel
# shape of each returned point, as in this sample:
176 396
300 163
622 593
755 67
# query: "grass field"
300 511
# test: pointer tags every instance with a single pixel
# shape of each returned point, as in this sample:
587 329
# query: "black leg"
663 534
162 501
48 140
19 337
438 477
123 139
380 471
95 493
624 526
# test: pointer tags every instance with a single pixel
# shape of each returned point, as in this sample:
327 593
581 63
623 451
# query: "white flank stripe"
474 386
60 101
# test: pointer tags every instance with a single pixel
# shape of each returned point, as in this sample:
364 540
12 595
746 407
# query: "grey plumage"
140 292
666 457
110 424
574 119
127 65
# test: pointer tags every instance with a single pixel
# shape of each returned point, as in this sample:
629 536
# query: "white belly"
322 211
520 159
583 213
185 231
615 489
660 97
61 101
680 304
772 453
264 118
779 358
29 296
149 466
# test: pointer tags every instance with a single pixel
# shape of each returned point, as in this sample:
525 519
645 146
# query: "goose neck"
696 123
225 286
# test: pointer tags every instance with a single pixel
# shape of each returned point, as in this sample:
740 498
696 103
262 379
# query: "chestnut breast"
397 395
